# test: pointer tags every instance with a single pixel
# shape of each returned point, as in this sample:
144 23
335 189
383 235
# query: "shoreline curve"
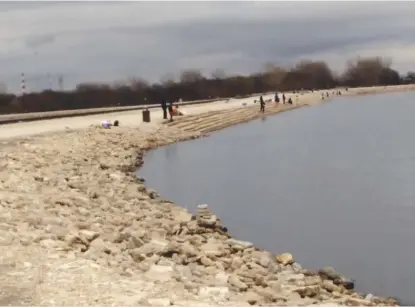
70 203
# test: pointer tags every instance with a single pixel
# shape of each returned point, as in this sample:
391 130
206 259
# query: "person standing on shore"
277 99
262 104
283 98
164 108
171 111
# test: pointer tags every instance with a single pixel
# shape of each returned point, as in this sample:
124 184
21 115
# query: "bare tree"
191 76
138 84
168 79
409 77
192 85
273 75
91 86
318 72
218 74
366 71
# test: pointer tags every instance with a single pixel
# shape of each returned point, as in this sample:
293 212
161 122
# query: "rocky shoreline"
77 227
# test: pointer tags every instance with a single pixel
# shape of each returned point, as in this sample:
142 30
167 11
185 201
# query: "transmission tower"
60 82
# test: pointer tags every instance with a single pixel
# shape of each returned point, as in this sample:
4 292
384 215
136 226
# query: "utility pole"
60 82
22 84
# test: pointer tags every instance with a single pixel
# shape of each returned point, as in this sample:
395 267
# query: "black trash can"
146 115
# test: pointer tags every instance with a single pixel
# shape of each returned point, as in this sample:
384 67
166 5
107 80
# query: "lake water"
332 184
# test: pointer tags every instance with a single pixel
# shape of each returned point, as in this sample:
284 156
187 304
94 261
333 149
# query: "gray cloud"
7 6
110 41
37 41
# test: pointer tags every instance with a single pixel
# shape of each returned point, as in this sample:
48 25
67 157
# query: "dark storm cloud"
281 38
109 41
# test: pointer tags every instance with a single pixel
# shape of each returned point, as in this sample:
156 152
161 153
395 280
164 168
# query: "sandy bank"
77 227
126 118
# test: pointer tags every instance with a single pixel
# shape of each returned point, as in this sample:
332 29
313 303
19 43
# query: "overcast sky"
110 41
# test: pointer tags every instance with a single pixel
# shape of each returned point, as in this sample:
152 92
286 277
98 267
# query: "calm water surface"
332 184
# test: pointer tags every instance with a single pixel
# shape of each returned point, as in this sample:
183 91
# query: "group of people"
172 109
284 100
276 100
338 93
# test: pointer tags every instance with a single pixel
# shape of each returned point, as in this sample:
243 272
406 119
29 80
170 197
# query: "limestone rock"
208 222
310 291
213 249
133 242
170 249
206 261
137 255
237 262
99 245
192 303
153 247
153 194
158 302
236 282
269 294
205 218
159 273
329 286
264 259
183 272
331 274
59 231
312 280
357 302
89 235
218 292
239 245
182 216
296 266
252 297
189 250
369 297
221 278
295 277
285 259
73 240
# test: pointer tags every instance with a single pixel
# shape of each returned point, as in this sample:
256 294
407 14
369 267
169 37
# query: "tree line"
193 85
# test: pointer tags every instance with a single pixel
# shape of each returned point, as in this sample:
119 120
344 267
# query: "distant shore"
382 89
83 230
15 118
